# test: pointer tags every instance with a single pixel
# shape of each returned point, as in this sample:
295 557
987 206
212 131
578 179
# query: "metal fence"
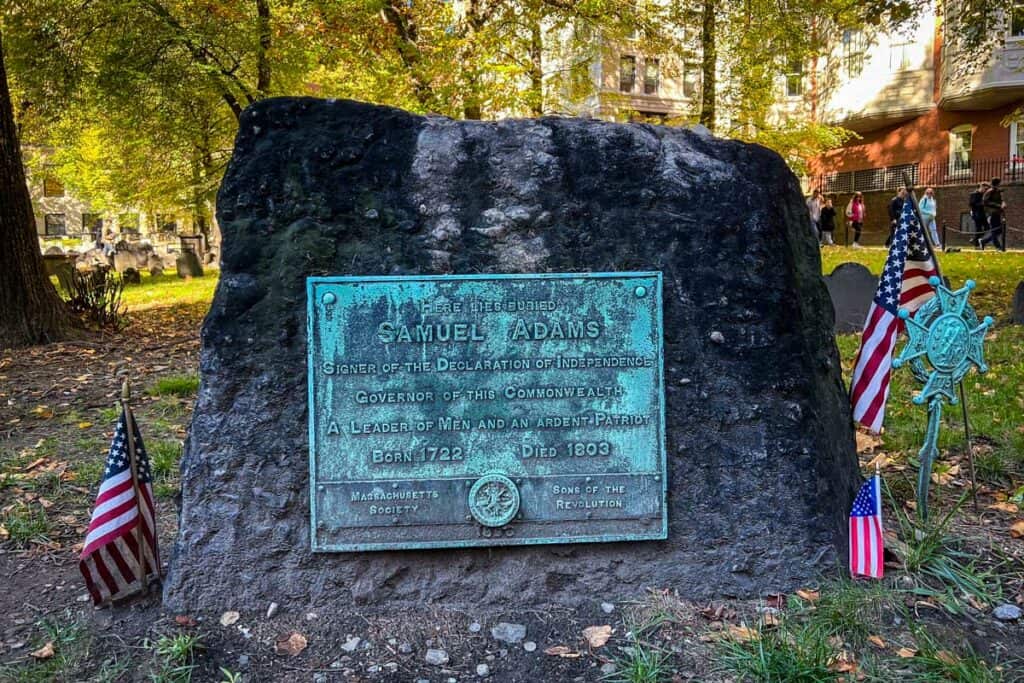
956 172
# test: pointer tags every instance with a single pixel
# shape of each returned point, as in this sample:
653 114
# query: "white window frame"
953 170
905 51
792 73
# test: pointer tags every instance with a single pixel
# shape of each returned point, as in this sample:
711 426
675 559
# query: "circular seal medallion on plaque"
948 341
494 500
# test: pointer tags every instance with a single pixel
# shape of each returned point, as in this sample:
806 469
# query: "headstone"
1017 315
761 463
53 251
131 276
188 265
134 255
156 270
851 287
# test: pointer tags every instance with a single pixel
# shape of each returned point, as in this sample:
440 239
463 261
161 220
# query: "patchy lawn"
931 619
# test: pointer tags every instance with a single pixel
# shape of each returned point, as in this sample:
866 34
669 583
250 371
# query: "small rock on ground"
607 607
529 646
351 644
1007 612
483 671
436 657
405 649
607 668
508 633
271 610
475 627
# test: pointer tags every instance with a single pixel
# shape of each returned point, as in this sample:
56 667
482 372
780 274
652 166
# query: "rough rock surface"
762 466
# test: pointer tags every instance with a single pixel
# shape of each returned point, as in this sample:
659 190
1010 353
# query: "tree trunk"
30 310
263 57
709 62
536 69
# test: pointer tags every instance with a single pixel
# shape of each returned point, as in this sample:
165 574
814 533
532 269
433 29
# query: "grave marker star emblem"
946 333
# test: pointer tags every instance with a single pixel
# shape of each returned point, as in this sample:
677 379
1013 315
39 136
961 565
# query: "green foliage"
847 609
25 524
792 652
182 386
938 566
164 457
71 643
935 663
641 663
175 657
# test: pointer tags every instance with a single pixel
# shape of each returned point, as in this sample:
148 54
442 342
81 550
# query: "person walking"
994 207
828 223
855 212
814 209
976 204
895 211
929 208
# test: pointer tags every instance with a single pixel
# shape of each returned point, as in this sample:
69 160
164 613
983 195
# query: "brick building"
918 111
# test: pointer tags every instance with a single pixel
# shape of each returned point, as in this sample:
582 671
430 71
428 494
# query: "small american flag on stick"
867 544
111 561
904 284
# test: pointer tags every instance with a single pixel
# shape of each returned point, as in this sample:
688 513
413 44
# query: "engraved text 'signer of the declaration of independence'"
485 410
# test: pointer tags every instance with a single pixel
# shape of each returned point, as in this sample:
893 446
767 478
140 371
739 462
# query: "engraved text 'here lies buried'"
485 410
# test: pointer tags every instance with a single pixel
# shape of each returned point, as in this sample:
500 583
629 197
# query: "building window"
166 224
960 149
795 78
128 222
854 48
691 78
901 57
55 224
627 73
1017 19
651 74
52 187
92 223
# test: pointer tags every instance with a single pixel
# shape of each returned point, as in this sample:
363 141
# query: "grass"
25 524
181 386
164 457
169 290
71 643
936 663
175 657
793 652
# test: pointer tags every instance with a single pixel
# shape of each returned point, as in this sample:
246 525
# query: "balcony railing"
957 172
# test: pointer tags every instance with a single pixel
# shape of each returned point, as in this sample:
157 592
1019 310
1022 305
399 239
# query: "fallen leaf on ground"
877 641
184 620
906 652
45 652
561 651
4 533
84 425
229 618
808 594
946 657
880 461
776 600
743 633
597 636
290 644
1004 507
47 504
1017 529
770 619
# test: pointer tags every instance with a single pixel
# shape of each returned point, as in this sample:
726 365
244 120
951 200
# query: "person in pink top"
856 212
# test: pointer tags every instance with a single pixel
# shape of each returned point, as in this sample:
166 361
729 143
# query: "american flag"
110 559
904 284
866 543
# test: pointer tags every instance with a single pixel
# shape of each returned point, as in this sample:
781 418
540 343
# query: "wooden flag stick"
140 539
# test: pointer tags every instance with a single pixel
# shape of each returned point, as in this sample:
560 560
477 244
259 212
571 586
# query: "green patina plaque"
485 410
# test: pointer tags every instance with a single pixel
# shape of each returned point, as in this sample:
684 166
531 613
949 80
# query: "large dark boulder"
761 457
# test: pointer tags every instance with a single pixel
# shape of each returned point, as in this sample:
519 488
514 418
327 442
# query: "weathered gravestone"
760 459
851 286
1017 314
188 265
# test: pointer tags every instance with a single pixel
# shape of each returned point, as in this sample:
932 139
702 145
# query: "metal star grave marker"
945 331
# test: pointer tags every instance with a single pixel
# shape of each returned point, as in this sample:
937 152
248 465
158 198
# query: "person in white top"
929 209
814 205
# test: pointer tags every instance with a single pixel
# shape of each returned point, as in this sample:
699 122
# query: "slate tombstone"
188 264
851 286
761 461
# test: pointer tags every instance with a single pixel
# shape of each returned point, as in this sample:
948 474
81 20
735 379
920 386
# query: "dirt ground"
56 420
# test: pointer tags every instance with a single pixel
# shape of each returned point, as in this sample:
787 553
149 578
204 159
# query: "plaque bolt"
589 480
321 526
639 291
394 520
657 477
394 486
589 515
509 532
329 298
469 518
320 487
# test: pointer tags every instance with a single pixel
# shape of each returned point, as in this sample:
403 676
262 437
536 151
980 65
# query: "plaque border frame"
656 534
